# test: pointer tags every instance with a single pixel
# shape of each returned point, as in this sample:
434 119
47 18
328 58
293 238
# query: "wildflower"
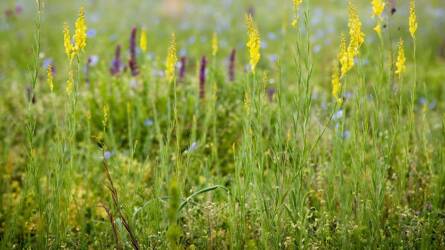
232 65
214 44
192 147
70 83
143 41
253 43
356 36
80 34
171 60
296 4
107 155
412 19
183 67
69 48
202 77
116 65
50 77
345 56
378 28
336 85
377 7
400 64
132 63
148 122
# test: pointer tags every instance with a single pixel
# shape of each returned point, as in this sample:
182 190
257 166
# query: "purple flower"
182 68
202 77
232 65
107 155
116 65
132 63
271 93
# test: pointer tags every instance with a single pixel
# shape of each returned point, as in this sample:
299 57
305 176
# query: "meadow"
232 124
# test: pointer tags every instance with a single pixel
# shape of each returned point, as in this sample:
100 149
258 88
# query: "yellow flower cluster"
401 60
80 36
215 45
170 64
253 43
356 39
50 78
336 84
297 4
143 41
378 6
412 19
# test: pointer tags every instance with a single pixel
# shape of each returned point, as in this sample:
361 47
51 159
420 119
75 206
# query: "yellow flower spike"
143 41
215 44
69 49
412 19
170 64
253 43
357 37
378 6
401 60
296 4
80 34
50 78
336 85
70 83
345 57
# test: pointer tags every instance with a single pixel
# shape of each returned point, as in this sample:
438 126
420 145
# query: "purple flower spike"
202 77
182 69
132 63
232 65
116 65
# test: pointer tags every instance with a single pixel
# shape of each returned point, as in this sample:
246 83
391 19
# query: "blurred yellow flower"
336 84
412 19
401 60
69 48
50 77
70 83
143 41
80 34
296 4
171 59
253 43
215 45
356 36
378 28
377 7
345 57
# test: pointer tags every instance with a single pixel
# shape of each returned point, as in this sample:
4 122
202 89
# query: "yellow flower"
296 4
143 41
214 44
377 7
50 78
401 59
171 59
412 19
253 43
69 48
356 36
336 84
80 34
378 29
345 57
70 83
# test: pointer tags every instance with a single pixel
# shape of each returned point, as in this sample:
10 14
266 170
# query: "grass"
268 161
